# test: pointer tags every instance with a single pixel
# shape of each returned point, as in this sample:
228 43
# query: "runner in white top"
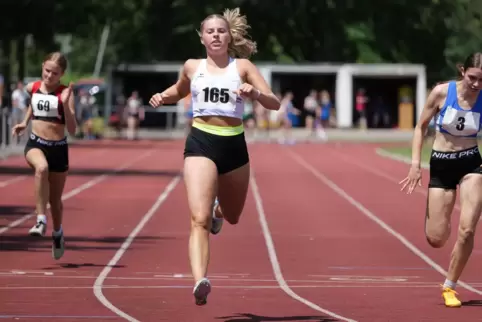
216 157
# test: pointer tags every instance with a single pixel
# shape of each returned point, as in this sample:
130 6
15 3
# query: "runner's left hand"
68 93
247 91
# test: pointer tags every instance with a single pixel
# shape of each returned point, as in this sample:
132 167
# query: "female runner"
52 110
216 156
455 161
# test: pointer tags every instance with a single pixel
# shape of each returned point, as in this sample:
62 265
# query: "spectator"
116 119
135 114
85 114
249 119
287 116
20 100
323 114
188 112
380 112
361 105
310 106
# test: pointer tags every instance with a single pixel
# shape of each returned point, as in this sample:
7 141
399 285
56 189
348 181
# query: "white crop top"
212 94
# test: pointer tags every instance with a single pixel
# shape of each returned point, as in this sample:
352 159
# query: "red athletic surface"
331 255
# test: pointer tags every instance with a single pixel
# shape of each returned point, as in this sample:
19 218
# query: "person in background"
85 114
20 99
360 106
323 115
135 113
188 112
249 120
2 91
287 116
310 106
116 119
380 113
262 121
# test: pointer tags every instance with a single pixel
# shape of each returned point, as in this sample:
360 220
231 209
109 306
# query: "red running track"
325 236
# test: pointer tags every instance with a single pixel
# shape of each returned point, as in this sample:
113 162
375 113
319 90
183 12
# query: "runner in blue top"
455 161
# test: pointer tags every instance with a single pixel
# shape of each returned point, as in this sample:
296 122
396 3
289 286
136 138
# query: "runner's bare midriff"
218 120
448 143
48 130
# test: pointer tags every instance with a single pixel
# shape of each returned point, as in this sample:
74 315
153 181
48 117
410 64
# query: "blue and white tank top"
456 121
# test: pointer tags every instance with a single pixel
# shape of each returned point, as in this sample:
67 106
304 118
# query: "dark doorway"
384 90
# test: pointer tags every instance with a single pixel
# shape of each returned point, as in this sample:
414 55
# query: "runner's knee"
41 170
466 234
201 220
436 241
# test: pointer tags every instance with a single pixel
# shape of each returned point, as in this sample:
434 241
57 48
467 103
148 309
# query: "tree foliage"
437 33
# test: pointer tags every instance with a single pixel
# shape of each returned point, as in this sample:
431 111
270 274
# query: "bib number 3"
460 123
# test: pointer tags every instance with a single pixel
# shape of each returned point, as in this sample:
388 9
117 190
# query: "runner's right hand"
19 129
413 179
156 100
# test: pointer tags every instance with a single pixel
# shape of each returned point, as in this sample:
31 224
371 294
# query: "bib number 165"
214 95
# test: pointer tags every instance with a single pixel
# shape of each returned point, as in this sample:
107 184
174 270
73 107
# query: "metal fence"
13 145
8 143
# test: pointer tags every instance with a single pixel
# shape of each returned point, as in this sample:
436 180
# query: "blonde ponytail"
240 46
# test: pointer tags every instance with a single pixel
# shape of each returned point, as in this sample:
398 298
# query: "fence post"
3 128
8 132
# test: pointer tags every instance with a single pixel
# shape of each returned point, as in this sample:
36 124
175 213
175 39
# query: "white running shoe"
216 223
201 291
58 246
39 229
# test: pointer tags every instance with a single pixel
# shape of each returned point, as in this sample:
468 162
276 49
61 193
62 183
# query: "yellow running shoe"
450 297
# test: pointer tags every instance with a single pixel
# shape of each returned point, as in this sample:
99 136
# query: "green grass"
406 151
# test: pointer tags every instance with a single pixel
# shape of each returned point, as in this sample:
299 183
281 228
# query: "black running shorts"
448 168
226 148
56 152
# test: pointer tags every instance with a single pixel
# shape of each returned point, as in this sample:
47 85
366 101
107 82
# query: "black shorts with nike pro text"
56 152
448 168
